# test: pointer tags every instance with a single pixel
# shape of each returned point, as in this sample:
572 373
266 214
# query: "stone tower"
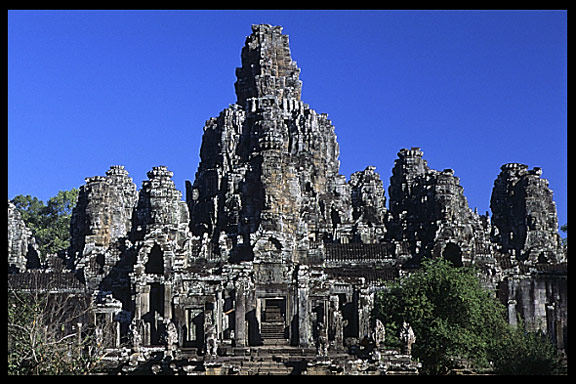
524 215
430 212
267 67
101 223
268 182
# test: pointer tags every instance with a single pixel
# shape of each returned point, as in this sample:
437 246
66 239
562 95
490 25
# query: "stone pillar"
167 300
240 332
512 317
304 329
218 314
143 297
550 321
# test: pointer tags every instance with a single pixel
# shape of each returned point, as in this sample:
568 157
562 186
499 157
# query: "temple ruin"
272 254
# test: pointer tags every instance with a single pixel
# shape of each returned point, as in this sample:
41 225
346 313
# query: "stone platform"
268 360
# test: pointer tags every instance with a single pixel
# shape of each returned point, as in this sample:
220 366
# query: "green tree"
526 353
50 223
454 318
31 209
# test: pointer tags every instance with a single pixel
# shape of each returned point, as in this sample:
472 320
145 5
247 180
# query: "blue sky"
473 89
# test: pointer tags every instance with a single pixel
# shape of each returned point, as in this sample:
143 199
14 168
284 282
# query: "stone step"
285 350
266 367
272 335
273 314
272 325
272 330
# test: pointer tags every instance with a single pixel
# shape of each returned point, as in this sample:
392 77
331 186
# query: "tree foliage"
50 222
455 320
527 353
564 228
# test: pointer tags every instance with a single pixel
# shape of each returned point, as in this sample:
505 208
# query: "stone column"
240 331
512 312
218 314
304 329
168 300
551 322
141 297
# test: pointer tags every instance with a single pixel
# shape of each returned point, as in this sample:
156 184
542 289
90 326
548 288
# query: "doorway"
274 310
273 327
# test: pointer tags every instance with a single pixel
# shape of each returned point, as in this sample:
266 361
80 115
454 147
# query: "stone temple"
272 256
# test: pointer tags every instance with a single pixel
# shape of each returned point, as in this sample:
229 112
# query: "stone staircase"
272 328
273 360
266 367
290 360
279 359
273 333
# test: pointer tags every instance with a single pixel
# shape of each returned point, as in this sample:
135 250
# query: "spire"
267 67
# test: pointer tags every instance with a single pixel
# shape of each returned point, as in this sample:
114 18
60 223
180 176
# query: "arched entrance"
155 262
453 253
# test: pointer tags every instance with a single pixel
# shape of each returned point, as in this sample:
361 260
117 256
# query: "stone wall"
539 299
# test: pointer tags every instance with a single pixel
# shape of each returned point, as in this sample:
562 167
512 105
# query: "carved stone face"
195 194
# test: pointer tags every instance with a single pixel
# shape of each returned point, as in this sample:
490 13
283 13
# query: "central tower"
267 67
268 182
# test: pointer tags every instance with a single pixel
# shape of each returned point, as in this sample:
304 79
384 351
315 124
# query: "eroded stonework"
273 251
524 215
22 249
268 182
100 224
430 212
